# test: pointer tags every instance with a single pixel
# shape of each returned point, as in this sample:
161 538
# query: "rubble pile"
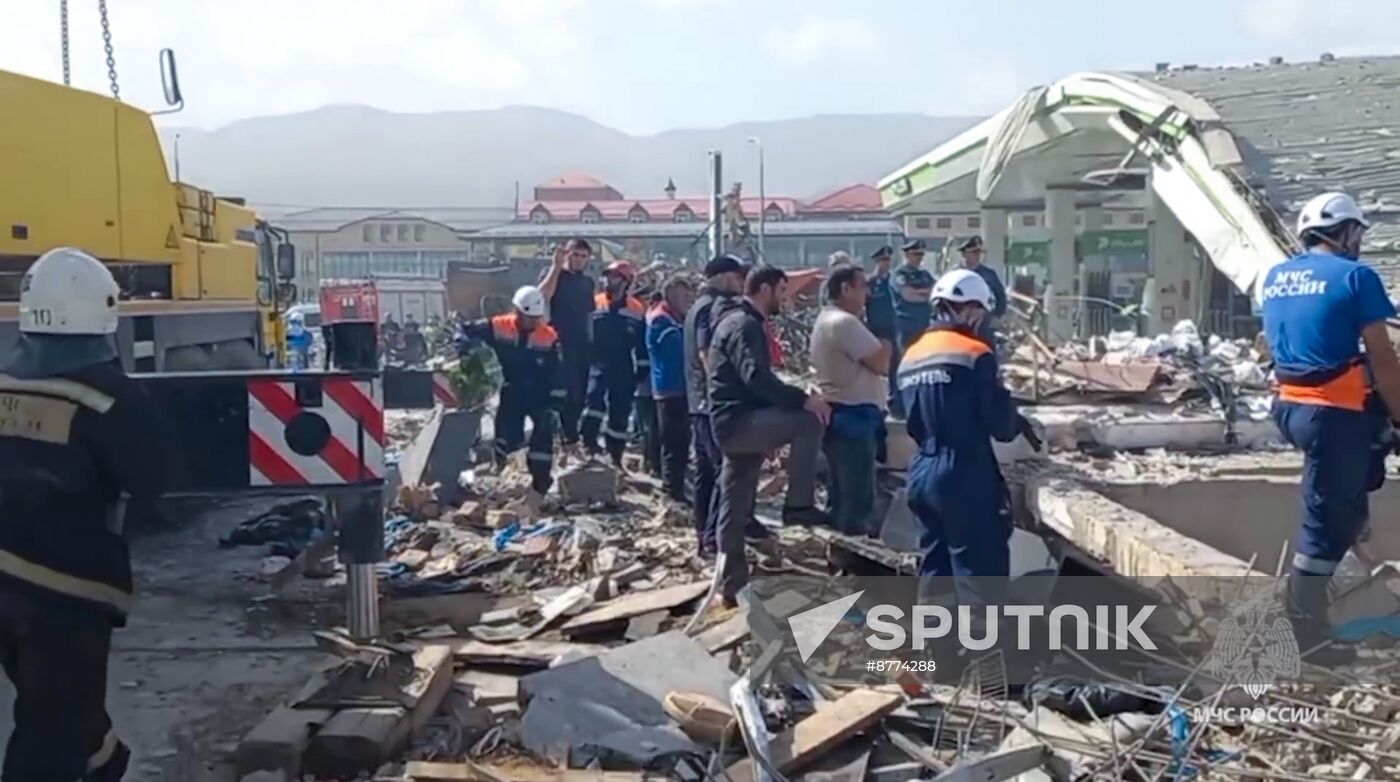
1178 369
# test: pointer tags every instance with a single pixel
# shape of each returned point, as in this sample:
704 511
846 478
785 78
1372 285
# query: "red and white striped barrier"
329 434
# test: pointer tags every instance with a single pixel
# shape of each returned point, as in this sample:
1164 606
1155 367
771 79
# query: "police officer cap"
724 264
972 243
914 244
883 252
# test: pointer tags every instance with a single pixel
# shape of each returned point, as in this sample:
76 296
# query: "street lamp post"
762 199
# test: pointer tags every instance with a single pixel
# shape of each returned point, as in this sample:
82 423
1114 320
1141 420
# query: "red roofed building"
576 187
797 233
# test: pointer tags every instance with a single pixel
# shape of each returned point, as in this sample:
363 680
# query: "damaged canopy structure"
1225 156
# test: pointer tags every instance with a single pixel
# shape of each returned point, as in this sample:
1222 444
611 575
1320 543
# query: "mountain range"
350 155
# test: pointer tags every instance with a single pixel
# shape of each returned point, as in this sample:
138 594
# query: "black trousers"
708 460
515 407
57 662
673 417
645 413
575 387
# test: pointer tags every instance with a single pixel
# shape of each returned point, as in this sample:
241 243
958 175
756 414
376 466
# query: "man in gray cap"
973 253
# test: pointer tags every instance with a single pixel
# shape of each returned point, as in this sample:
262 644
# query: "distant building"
339 242
799 234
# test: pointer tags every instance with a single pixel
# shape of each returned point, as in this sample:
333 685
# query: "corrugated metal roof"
1305 128
333 218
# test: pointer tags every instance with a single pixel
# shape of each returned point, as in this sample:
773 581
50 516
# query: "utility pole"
716 204
762 200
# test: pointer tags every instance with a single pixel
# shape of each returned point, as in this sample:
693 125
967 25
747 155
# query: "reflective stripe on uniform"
613 433
1347 391
591 413
71 390
558 392
938 359
539 456
104 753
1313 565
63 583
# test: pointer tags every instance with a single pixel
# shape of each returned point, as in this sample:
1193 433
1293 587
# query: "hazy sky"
649 65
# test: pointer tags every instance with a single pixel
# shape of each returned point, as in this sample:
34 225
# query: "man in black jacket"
724 279
71 424
753 413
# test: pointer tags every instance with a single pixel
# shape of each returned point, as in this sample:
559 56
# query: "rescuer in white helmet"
956 405
1318 307
528 350
69 421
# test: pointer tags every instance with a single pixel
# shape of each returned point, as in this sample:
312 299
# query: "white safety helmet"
1329 210
962 285
529 301
68 291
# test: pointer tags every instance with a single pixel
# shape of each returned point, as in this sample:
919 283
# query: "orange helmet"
622 268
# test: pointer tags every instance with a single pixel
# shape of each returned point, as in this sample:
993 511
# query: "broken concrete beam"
588 483
360 740
486 688
441 451
822 731
278 742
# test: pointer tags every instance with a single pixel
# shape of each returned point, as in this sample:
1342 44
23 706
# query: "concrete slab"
584 702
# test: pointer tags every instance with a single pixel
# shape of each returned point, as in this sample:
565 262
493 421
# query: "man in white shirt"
852 367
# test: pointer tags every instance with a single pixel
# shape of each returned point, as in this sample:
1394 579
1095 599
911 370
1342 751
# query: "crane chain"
107 45
63 39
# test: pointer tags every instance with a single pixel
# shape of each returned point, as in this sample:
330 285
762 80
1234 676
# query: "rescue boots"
809 516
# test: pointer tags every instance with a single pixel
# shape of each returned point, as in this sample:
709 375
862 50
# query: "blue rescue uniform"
533 387
1315 307
620 363
911 318
956 405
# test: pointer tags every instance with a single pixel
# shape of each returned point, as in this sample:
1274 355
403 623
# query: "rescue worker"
528 350
666 346
569 292
70 423
619 362
879 310
910 286
1318 308
299 341
415 345
957 405
972 254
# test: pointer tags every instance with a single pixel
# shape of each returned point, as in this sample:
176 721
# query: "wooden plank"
831 725
522 654
637 604
279 741
359 740
725 635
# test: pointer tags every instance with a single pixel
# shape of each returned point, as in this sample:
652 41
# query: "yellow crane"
203 279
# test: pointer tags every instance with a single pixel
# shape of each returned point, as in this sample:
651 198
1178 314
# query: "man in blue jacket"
666 347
